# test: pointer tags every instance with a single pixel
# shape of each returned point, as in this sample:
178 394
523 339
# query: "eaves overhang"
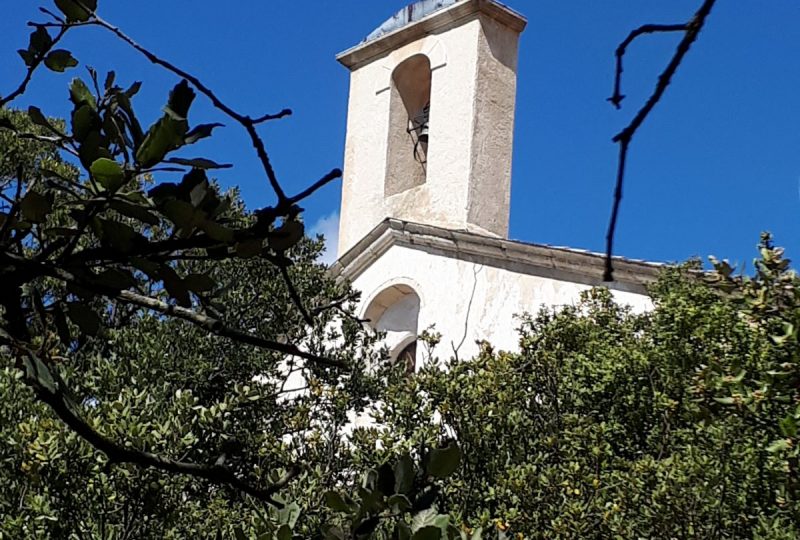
521 257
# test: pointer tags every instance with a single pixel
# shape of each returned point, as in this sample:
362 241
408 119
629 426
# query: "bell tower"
431 119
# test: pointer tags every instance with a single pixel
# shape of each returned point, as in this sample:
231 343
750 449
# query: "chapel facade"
424 219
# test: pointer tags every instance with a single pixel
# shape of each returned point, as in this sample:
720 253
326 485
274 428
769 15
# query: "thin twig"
295 296
618 96
333 175
246 122
268 117
624 137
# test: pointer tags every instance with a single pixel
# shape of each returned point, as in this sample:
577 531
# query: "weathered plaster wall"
469 301
473 89
443 197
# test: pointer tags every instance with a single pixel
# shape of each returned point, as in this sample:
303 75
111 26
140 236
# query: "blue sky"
717 162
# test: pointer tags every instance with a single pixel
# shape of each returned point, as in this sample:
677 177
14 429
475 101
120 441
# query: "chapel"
423 230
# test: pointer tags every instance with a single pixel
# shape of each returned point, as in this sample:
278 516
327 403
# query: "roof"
407 15
561 263
423 18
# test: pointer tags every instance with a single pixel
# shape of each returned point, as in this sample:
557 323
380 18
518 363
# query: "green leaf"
109 173
402 531
163 137
289 514
779 446
135 211
80 94
199 163
120 236
386 479
133 89
115 279
84 318
74 11
38 371
175 286
180 100
725 400
27 56
788 426
60 60
109 82
37 117
199 282
428 533
182 214
84 121
284 533
217 232
200 132
93 147
286 236
404 474
249 248
399 503
334 501
443 462
332 532
35 207
366 527
40 40
60 321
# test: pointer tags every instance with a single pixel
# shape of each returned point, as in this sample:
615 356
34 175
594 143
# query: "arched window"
409 116
395 311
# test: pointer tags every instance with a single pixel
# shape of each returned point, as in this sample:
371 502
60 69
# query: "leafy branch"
93 244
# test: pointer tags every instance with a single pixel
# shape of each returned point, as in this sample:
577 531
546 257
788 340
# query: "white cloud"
328 227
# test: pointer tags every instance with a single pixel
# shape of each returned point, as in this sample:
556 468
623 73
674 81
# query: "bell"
420 123
423 133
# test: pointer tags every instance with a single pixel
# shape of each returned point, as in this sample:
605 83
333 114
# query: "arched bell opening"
409 125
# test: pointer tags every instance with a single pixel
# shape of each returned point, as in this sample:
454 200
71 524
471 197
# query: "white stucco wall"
468 301
473 90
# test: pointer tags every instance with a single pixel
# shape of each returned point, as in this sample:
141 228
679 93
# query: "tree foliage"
676 423
170 388
174 366
152 331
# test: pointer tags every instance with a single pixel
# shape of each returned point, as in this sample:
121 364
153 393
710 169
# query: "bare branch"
55 141
32 68
246 122
333 175
617 97
216 327
608 273
211 324
624 137
268 117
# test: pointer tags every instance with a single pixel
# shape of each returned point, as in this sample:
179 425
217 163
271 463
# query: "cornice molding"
521 257
365 52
